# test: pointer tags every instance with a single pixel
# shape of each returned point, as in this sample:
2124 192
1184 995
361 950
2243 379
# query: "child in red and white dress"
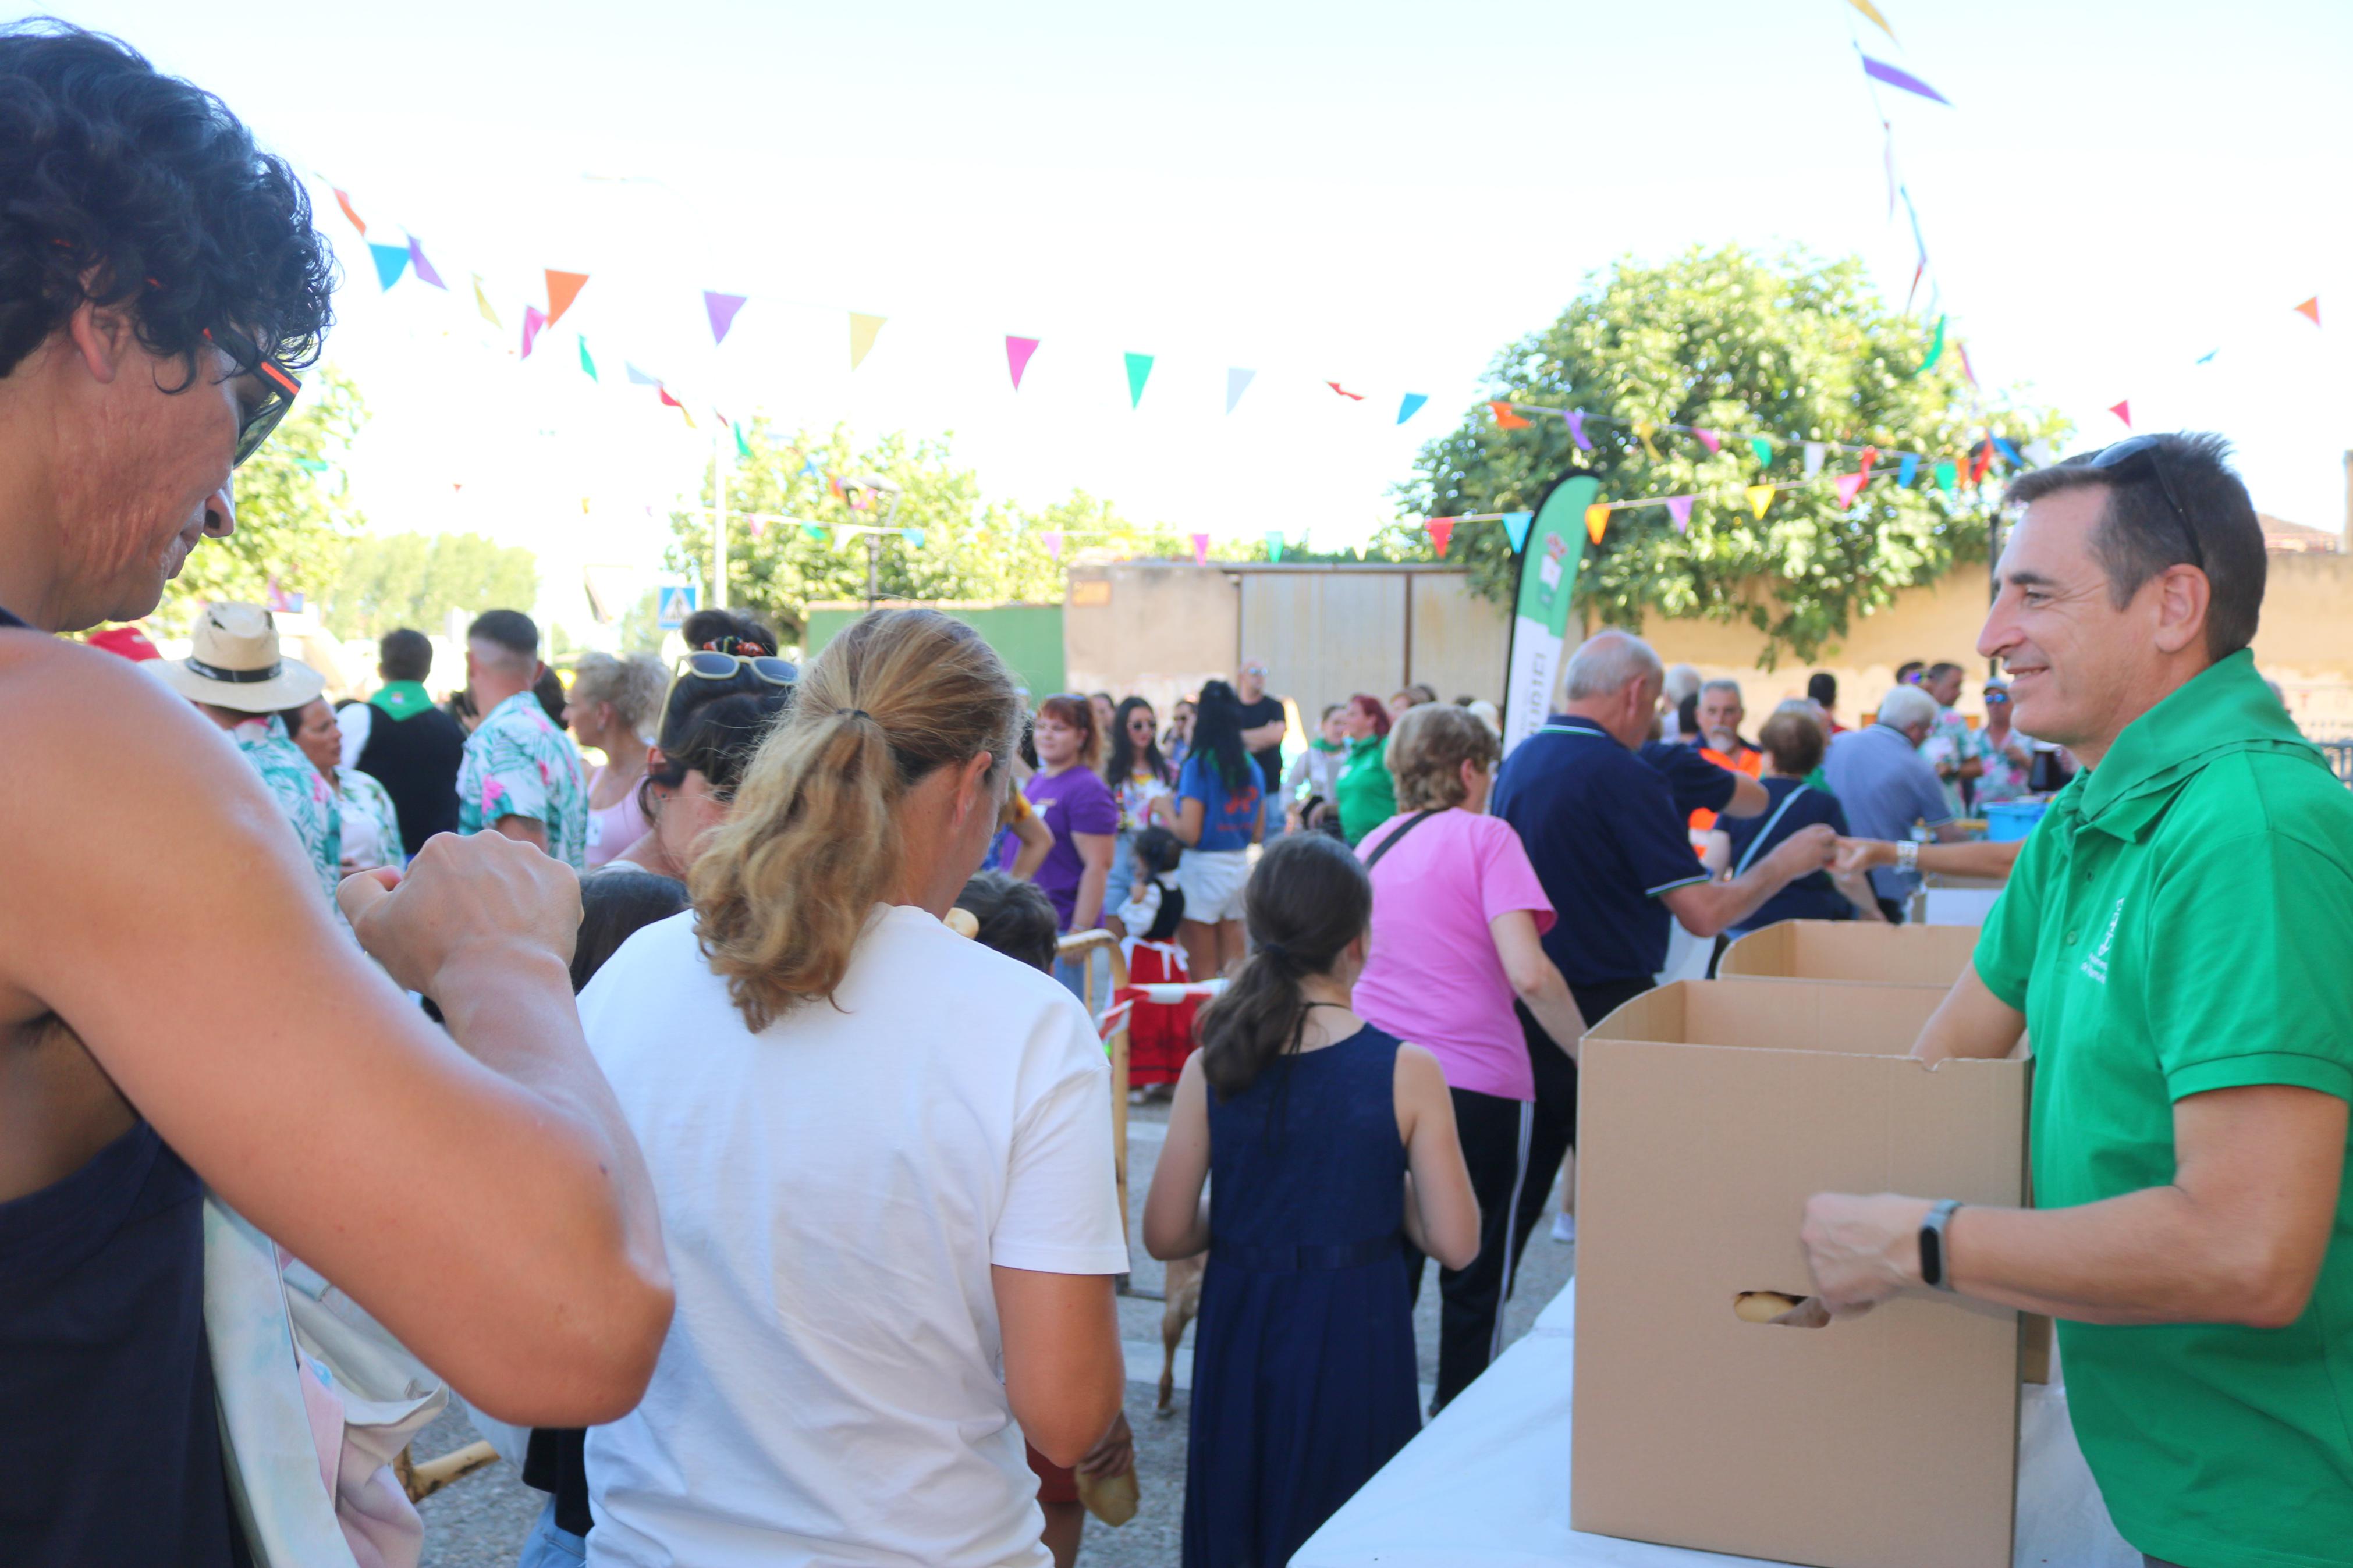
1159 1034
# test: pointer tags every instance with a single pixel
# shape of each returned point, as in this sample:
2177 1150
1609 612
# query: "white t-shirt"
833 1192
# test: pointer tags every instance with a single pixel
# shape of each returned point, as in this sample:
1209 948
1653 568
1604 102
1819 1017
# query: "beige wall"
2306 643
1153 629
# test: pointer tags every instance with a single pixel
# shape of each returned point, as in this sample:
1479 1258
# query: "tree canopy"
417 579
294 512
787 547
1728 341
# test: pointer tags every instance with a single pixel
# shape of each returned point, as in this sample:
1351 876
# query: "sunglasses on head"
279 388
709 664
2125 451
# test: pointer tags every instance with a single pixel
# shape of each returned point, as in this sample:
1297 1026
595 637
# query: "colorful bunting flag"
743 446
1597 521
862 330
2311 308
1880 70
1813 458
1763 449
757 524
1848 486
813 530
1946 476
1936 347
1274 544
1356 396
425 273
1709 439
358 222
534 319
1237 383
1643 432
721 308
1905 469
1441 533
1200 550
1052 541
2123 410
1678 508
1576 430
2208 357
638 377
563 288
913 536
1410 407
1016 357
1516 529
391 261
1505 419
683 411
2009 454
586 362
1869 455
1139 371
1759 498
483 303
1868 9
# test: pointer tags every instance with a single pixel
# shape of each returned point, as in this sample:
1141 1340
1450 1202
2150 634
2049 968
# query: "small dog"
1181 1303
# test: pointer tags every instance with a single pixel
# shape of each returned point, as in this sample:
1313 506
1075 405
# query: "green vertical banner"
1555 548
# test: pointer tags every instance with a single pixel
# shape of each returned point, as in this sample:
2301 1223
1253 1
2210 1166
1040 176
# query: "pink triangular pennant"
2123 410
1052 541
1441 532
1200 550
1678 508
1848 486
721 308
1016 357
1709 439
534 319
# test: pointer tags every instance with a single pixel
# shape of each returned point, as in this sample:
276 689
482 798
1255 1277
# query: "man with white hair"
1886 786
1682 681
1612 852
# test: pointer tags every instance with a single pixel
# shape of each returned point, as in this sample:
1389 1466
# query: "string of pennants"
394 262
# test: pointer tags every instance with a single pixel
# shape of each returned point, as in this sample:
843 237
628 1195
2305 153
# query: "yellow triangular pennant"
1759 498
482 301
862 336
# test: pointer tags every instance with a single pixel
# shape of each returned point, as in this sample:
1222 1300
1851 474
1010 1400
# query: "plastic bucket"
2008 821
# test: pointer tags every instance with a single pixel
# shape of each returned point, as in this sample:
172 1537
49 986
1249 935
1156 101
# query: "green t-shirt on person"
1365 793
2180 921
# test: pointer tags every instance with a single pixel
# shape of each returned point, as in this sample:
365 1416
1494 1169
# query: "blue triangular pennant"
391 261
1516 529
1907 468
1410 406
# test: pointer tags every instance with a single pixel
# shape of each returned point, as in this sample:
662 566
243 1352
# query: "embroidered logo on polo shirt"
2096 966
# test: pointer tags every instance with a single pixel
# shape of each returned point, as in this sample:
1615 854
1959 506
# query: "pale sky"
1377 194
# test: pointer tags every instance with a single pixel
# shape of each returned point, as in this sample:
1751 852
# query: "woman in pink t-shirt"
1457 915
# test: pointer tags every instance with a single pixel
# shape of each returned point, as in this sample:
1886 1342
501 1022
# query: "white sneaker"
1563 1227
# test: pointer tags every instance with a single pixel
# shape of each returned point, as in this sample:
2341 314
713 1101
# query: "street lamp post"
875 485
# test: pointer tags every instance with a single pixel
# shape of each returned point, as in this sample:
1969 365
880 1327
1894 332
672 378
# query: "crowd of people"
666 1114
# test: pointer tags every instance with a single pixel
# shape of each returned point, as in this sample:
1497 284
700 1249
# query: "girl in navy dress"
1330 1142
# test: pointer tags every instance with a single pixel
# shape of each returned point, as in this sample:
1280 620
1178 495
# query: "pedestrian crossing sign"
673 606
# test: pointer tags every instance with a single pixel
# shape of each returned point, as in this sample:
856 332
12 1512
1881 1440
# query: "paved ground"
480 1522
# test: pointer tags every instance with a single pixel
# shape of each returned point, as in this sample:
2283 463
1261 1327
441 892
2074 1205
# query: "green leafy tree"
786 549
417 579
294 512
1731 342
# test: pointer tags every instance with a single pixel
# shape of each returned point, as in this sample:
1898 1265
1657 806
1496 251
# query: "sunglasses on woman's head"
708 664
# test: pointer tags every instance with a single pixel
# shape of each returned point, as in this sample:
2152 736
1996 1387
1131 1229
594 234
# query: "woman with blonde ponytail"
883 1153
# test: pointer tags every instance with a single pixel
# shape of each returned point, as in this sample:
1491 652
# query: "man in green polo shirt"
2178 940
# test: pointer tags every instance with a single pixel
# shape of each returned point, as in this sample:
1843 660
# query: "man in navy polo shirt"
1613 852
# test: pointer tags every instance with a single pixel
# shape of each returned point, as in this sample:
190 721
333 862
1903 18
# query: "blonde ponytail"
783 889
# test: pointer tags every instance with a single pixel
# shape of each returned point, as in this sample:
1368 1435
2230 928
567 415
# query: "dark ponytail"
1307 899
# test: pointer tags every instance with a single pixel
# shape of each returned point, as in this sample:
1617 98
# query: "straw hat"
233 662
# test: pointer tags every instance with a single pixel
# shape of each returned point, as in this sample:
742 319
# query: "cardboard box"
1710 1111
1853 950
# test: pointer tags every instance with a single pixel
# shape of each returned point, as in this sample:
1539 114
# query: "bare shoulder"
1418 1072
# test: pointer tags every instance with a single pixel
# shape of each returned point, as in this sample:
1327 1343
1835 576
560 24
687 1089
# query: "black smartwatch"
1935 1257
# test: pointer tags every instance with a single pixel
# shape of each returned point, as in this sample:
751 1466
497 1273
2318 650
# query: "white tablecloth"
1486 1484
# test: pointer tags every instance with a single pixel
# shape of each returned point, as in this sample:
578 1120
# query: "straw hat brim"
294 684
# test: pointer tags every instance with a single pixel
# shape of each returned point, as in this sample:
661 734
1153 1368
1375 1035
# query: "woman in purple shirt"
1072 800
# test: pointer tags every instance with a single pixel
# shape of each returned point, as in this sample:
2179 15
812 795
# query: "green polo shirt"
1364 792
2183 921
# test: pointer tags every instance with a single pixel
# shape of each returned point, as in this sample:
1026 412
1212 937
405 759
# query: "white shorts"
1212 882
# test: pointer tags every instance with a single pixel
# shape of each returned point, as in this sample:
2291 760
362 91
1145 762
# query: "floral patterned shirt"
371 822
517 763
1952 745
301 792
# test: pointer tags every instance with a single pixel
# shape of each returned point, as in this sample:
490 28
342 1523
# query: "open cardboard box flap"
1710 1111
1867 950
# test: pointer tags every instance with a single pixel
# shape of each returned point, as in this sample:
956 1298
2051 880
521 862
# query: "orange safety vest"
1750 762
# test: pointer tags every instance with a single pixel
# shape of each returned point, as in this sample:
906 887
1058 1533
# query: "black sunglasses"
707 663
2124 452
280 389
